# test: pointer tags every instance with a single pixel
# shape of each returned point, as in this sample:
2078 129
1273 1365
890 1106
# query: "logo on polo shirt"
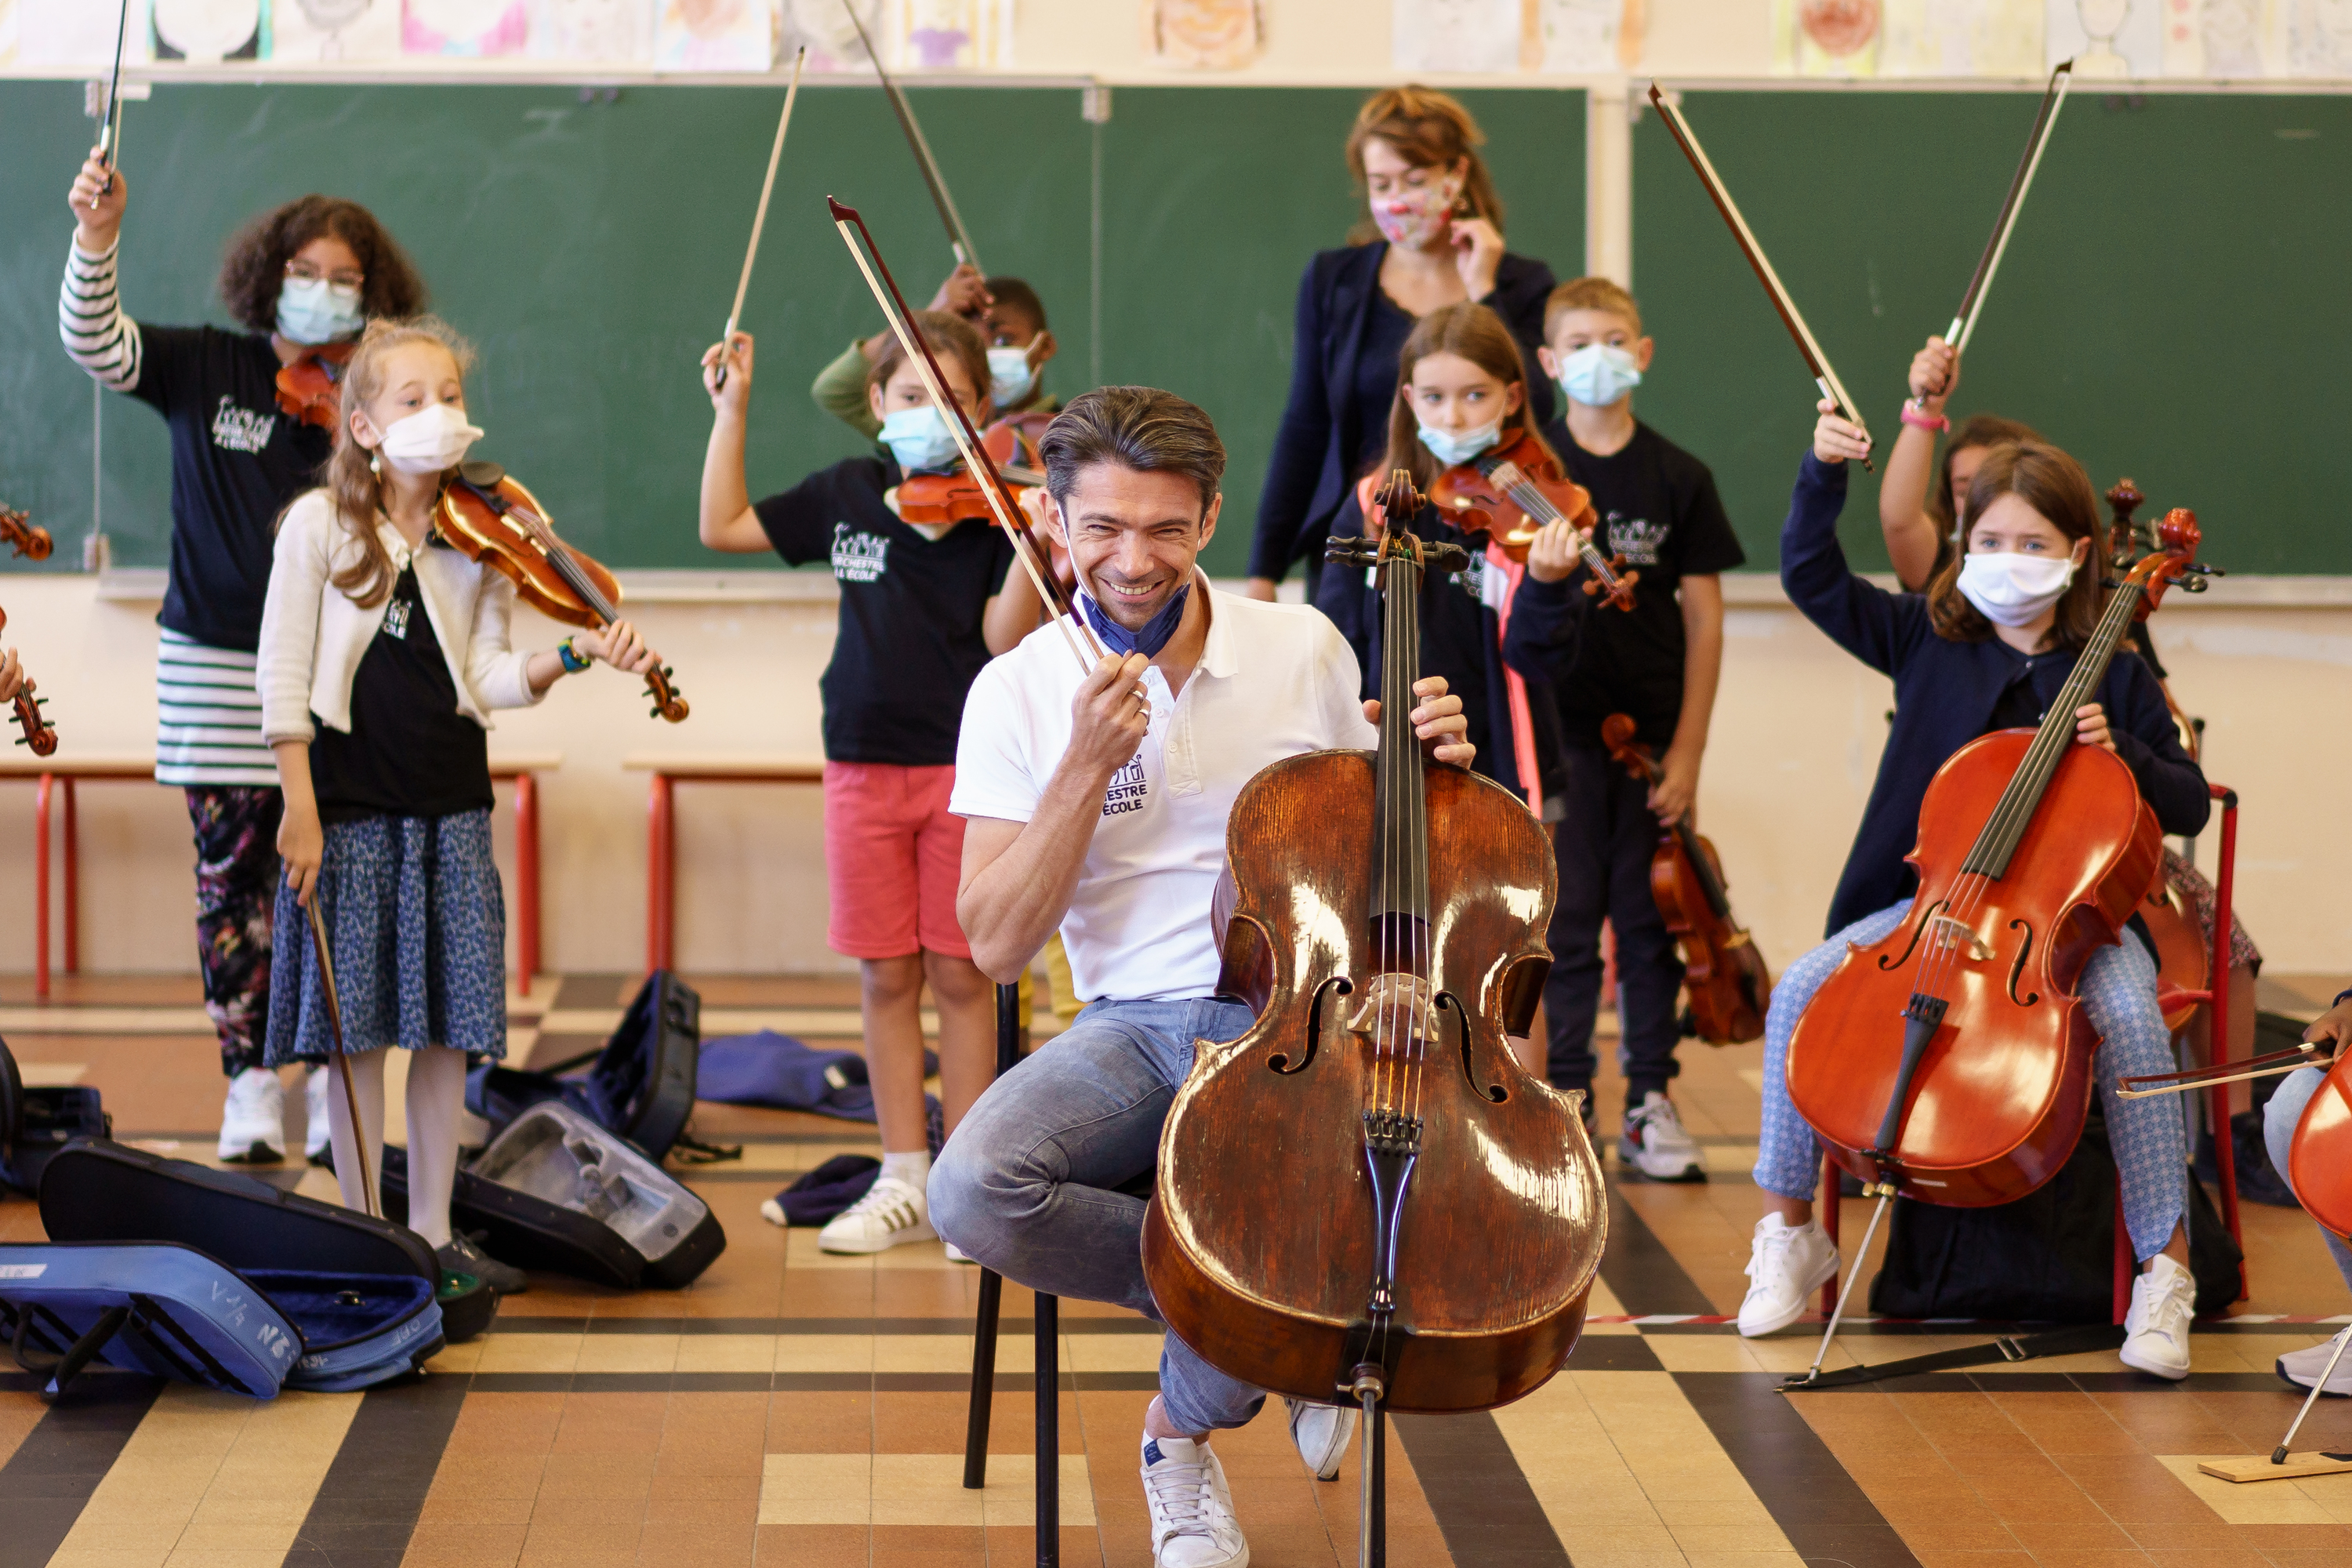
238 429
1128 790
858 557
1638 539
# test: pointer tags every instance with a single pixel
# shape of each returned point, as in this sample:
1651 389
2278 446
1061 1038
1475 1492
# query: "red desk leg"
73 881
1830 1209
661 873
526 879
41 887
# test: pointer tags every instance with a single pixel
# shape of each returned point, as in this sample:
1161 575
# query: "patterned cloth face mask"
1417 215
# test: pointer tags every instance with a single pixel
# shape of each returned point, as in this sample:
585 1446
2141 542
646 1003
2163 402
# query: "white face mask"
1454 447
429 441
312 310
920 439
1009 377
2012 590
1598 375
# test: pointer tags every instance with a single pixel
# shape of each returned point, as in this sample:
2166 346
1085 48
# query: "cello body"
2319 1165
2000 1096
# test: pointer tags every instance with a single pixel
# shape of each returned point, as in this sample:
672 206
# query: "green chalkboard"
590 250
2172 306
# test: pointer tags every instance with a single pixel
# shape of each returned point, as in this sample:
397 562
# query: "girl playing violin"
383 652
310 272
1985 647
922 609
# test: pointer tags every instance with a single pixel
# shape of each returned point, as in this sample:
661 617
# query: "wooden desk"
668 771
57 776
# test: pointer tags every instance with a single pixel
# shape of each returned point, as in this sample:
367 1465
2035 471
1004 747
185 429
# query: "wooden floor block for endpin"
2258 1467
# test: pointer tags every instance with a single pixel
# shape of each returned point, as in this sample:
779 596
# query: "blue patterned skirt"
416 923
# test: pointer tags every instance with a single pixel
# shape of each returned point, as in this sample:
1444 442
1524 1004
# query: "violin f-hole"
1337 985
2017 969
1917 930
1494 1093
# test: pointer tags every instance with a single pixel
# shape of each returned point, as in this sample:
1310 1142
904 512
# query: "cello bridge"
1950 934
1394 1011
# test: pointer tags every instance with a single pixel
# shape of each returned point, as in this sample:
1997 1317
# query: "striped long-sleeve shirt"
100 338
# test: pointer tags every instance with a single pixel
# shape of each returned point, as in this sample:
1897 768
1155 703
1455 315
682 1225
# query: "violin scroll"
1617 736
668 704
310 390
1617 590
2123 499
38 734
29 542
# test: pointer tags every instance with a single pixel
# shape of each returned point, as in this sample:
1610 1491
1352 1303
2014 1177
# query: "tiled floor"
794 1410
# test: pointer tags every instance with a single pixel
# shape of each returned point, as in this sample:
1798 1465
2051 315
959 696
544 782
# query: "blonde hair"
1478 335
1590 294
1430 130
350 480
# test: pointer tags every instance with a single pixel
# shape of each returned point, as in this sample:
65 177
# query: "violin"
1366 1196
38 734
1510 493
1726 984
942 501
311 389
486 513
30 542
1951 1061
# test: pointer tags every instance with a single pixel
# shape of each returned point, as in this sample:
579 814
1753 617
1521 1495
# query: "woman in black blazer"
1432 237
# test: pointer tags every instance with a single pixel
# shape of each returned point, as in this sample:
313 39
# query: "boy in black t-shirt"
922 609
1659 663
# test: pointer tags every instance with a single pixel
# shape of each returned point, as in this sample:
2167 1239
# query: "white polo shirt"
1272 680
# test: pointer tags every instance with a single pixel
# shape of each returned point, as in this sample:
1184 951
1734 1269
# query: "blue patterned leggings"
2118 992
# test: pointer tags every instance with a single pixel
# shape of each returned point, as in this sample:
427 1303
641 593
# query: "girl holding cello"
1994 637
383 650
300 277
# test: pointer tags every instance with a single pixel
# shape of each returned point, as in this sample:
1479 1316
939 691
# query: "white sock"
914 1169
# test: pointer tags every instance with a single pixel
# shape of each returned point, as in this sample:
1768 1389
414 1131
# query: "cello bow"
2054 99
760 215
1790 316
974 451
959 238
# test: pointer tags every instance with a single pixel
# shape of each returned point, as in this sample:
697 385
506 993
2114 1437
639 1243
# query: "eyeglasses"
303 272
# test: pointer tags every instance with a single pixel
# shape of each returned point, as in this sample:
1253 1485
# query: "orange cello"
1366 1197
1726 985
1951 1062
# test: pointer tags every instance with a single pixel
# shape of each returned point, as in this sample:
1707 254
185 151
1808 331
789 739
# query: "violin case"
640 1085
105 1192
556 1191
34 1123
173 1311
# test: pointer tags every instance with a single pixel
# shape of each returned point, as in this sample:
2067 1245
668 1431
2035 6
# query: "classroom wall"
1797 734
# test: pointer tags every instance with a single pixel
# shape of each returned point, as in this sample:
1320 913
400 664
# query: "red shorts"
892 858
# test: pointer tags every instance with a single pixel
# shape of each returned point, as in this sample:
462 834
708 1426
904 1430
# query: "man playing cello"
1098 805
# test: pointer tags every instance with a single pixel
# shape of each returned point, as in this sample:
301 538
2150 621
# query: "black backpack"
34 1123
640 1084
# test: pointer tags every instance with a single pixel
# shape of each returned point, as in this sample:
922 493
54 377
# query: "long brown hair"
1476 334
350 480
1430 130
2055 487
253 269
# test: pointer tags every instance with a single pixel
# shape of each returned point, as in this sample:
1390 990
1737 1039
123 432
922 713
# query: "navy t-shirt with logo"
1659 510
909 642
236 460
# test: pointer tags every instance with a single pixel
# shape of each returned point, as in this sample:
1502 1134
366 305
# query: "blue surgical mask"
1009 377
1598 375
312 310
1118 640
1452 446
920 439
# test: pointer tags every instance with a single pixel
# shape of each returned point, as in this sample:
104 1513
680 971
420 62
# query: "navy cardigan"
1945 693
1316 450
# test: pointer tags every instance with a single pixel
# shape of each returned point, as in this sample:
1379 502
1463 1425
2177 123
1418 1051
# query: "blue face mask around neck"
920 439
1147 642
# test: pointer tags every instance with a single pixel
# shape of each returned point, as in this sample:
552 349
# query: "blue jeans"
1026 1185
2119 993
2280 1119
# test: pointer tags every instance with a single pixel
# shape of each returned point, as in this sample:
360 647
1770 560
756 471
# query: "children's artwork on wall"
2105 39
1458 35
465 28
1203 35
1827 37
615 30
2319 37
954 35
2222 38
825 29
715 36
1587 36
331 31
1963 38
76 33
207 31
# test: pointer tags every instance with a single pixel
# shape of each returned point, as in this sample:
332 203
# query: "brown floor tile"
813 1545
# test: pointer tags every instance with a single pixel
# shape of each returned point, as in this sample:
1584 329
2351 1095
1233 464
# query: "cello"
1365 1197
1726 982
2032 851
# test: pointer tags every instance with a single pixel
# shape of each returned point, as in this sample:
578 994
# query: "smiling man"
1097 804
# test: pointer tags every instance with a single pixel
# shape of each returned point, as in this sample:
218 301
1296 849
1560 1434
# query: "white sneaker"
2156 1329
1322 1433
1656 1144
1192 1523
1788 1263
253 1120
2303 1367
315 1136
892 1211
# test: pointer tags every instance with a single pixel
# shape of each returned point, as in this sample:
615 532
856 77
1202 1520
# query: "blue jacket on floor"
1945 693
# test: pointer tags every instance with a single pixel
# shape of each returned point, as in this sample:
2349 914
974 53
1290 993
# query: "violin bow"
1009 516
109 131
760 216
2054 99
342 1057
1815 361
959 240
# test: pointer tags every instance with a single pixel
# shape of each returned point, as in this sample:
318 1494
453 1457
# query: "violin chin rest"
481 473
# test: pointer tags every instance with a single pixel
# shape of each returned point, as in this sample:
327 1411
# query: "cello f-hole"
1917 930
1280 1060
2017 969
1494 1093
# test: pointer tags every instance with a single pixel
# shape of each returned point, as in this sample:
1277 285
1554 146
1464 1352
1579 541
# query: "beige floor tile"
457 1360
816 1489
827 1353
628 1352
947 1352
2250 1502
530 1353
727 1353
1111 1352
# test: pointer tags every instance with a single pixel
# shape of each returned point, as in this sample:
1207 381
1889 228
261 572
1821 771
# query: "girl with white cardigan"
382 652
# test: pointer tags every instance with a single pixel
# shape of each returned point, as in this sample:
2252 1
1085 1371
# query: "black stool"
983 1351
